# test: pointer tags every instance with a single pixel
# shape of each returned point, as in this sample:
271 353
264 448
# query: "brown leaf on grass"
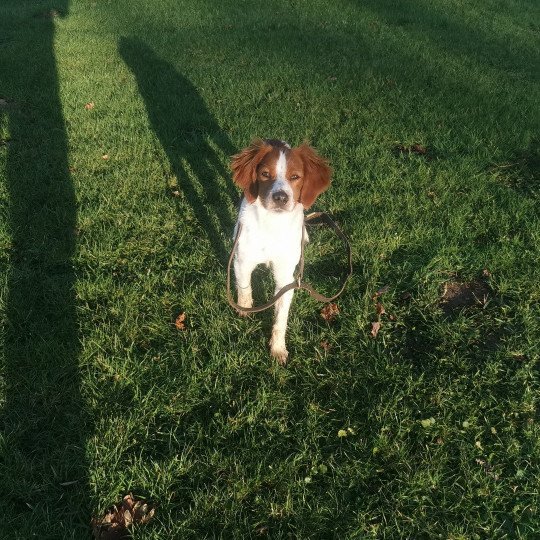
329 312
142 512
375 327
417 149
180 321
380 309
114 525
380 292
89 106
325 345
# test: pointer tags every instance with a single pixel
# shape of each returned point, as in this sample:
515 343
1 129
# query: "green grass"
101 395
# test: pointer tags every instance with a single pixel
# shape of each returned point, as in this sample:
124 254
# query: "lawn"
117 122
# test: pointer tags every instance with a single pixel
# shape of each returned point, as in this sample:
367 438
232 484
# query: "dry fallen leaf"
380 292
326 346
329 312
114 525
89 106
375 327
413 149
142 513
105 156
180 321
380 309
418 149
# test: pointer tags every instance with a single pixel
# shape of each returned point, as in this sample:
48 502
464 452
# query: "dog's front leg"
243 268
283 276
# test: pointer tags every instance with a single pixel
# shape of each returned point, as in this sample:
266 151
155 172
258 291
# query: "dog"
278 182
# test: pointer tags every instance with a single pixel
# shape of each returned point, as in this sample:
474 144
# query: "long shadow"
187 131
460 37
43 424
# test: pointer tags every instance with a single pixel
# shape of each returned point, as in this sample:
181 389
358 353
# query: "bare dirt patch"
460 295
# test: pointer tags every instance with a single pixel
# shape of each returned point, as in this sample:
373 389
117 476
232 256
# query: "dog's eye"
266 174
295 177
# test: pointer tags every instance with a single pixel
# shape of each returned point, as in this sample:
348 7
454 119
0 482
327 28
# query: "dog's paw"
278 349
277 346
280 354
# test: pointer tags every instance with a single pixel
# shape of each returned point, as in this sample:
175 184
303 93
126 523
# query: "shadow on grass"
43 424
459 35
359 391
187 131
521 172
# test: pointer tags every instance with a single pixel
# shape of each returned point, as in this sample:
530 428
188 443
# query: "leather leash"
313 218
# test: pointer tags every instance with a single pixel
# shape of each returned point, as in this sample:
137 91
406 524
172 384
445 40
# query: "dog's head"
280 176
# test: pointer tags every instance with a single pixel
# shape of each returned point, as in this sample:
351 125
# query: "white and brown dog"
279 182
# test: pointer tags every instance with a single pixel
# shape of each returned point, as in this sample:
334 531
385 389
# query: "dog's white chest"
270 237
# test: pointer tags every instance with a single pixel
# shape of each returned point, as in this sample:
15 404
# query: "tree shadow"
187 132
458 35
43 422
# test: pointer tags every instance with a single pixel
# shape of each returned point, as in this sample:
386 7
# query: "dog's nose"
280 197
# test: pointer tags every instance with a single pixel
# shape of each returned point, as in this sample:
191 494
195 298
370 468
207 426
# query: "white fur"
281 184
273 238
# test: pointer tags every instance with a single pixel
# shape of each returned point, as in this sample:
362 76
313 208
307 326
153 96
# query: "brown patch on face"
267 173
255 170
244 166
295 172
271 175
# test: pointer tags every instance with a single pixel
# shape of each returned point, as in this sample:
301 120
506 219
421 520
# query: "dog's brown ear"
244 167
317 175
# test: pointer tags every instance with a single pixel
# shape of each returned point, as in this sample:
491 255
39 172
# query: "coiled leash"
315 218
